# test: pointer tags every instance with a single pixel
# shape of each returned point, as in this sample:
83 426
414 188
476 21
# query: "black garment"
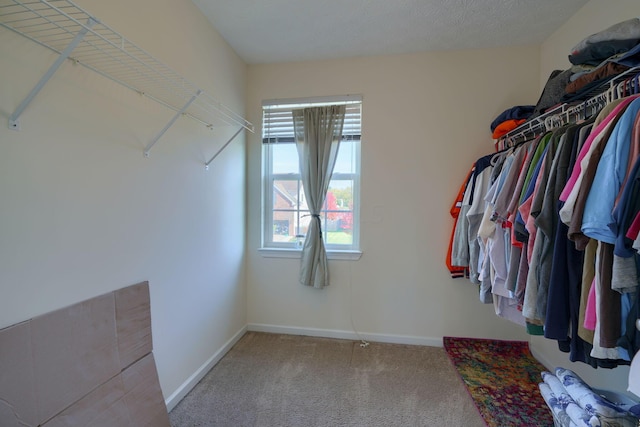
480 165
553 91
563 303
594 54
565 279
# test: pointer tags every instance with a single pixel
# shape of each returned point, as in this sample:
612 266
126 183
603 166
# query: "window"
285 211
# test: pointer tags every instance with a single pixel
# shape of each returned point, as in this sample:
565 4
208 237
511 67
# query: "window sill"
295 253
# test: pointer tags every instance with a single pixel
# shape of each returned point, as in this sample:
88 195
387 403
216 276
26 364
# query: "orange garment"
507 126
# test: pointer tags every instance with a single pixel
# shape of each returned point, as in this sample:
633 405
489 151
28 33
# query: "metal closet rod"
615 88
72 33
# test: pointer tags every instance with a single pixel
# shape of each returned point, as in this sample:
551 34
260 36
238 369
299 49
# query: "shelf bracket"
147 149
206 165
14 119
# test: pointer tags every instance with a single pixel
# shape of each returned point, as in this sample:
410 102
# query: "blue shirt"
597 220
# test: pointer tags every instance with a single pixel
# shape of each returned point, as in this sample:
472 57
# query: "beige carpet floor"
297 381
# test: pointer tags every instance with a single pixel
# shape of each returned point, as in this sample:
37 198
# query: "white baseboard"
191 382
347 335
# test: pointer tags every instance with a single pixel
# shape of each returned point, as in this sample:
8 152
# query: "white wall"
425 119
83 213
595 16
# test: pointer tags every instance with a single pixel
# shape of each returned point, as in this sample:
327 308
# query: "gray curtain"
318 132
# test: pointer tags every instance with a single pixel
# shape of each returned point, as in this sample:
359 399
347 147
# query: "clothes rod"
615 88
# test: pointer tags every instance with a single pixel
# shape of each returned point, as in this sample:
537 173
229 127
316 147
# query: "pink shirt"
585 147
634 228
590 317
525 211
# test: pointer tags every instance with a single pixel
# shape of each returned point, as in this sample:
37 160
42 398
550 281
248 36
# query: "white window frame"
269 248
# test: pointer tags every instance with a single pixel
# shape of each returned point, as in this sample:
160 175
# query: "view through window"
286 213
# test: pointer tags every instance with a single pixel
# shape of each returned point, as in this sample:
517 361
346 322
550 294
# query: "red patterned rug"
502 378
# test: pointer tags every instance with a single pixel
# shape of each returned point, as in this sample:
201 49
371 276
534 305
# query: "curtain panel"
318 132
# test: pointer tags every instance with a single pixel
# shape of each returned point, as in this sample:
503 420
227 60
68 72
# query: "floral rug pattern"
502 378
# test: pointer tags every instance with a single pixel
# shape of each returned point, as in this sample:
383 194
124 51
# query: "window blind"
277 119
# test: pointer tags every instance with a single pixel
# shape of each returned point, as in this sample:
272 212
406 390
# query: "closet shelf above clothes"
74 34
590 103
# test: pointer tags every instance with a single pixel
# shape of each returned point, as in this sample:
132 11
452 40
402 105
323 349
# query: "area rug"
502 378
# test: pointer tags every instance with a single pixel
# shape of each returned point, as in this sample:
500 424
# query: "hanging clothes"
549 231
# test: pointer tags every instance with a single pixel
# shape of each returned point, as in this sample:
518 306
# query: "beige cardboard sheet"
90 364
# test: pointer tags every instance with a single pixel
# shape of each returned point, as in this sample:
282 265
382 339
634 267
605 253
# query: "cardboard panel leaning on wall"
131 399
17 379
78 366
75 349
133 322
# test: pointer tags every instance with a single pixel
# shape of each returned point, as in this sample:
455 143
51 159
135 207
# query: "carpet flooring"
286 380
502 378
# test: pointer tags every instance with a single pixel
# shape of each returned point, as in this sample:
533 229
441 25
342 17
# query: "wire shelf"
66 29
614 87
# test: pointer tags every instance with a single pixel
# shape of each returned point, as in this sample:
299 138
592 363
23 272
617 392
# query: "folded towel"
557 408
608 413
575 413
556 386
580 417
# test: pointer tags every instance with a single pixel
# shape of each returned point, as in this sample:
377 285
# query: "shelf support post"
147 149
14 122
206 165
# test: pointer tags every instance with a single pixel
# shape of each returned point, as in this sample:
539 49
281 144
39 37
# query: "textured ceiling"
268 31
